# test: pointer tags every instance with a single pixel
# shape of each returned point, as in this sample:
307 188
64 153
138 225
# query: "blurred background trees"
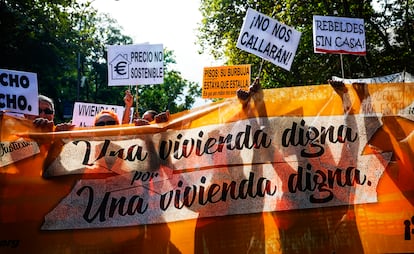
64 42
389 35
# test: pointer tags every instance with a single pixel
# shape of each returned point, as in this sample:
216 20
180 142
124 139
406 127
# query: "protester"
152 115
109 117
45 119
148 117
106 117
162 117
128 100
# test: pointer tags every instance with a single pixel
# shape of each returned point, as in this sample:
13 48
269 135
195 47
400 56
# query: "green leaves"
175 94
389 38
64 42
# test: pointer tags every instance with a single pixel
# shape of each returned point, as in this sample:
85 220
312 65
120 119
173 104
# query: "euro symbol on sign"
120 68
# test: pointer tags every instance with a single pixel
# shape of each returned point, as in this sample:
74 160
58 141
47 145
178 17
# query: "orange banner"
328 171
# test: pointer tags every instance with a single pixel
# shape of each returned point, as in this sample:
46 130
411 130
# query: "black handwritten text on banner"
235 168
268 39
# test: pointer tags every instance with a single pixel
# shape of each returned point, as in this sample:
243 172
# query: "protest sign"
224 81
338 35
84 113
140 64
300 174
19 92
268 39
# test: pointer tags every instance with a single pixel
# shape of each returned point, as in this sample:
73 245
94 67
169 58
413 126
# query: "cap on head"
109 114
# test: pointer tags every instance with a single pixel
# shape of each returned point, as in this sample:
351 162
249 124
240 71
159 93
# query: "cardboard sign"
338 35
19 92
141 64
84 113
268 39
224 81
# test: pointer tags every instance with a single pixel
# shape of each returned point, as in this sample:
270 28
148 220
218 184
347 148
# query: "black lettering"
324 181
302 135
117 206
183 148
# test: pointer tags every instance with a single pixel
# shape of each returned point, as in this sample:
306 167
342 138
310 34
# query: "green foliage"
389 33
64 42
33 39
175 94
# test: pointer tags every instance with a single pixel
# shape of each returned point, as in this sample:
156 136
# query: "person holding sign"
152 115
129 100
106 117
45 119
109 117
147 117
162 117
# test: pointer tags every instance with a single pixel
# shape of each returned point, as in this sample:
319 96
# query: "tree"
222 21
64 42
175 94
36 38
57 40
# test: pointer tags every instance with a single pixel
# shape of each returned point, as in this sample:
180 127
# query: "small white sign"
13 151
141 64
84 113
268 39
338 35
19 92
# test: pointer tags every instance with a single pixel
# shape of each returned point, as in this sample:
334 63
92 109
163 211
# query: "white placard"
268 39
338 35
84 113
141 64
19 92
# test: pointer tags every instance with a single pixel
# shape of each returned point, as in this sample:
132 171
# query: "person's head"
106 117
46 108
149 115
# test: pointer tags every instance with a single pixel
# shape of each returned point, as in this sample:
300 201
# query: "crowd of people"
108 117
45 119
